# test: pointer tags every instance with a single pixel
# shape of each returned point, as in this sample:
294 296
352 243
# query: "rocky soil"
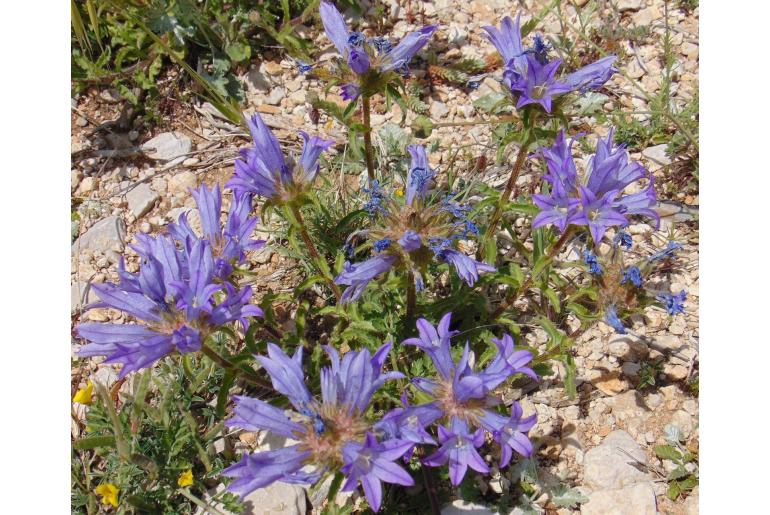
130 182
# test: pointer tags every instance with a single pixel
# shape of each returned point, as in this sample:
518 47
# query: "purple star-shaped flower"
538 85
371 464
262 170
356 51
458 447
597 213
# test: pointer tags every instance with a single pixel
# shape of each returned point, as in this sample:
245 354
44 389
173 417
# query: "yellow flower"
83 396
399 192
109 493
185 478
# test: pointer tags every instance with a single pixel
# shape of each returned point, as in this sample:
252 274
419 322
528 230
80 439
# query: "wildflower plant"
205 360
411 231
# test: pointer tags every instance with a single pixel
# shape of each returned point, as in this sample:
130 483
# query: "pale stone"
636 499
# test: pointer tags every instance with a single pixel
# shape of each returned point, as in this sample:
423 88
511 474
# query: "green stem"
517 166
411 297
555 248
314 251
223 362
369 152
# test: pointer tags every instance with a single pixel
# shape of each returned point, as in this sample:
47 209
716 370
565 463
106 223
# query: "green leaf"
555 335
491 102
422 127
395 138
667 452
689 483
553 298
566 497
238 52
673 491
543 369
307 283
569 377
224 392
678 473
91 442
590 103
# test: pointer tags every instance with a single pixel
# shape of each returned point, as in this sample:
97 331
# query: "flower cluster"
332 433
598 202
411 231
174 297
531 77
369 58
263 170
626 286
463 405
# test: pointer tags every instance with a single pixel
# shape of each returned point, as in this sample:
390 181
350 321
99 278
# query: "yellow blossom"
185 478
399 192
109 493
83 396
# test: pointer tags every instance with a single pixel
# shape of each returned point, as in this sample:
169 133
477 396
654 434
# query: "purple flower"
538 85
410 220
381 56
514 360
611 168
556 209
229 244
371 463
590 259
350 92
673 303
358 276
511 434
599 204
173 296
597 213
382 244
612 319
419 175
592 76
399 56
262 170
467 268
458 447
410 241
507 40
432 340
311 152
462 397
529 74
632 274
623 239
409 423
332 433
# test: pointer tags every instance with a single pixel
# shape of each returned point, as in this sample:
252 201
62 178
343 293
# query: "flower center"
539 91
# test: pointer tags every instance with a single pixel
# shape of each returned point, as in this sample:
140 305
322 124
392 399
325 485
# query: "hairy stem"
314 251
555 248
411 297
492 227
368 151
